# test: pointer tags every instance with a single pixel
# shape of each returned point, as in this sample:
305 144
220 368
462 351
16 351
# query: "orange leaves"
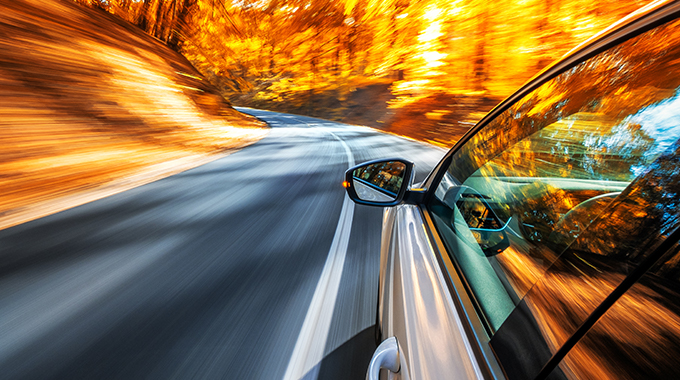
428 46
281 51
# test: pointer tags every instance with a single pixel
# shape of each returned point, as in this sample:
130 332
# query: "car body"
545 244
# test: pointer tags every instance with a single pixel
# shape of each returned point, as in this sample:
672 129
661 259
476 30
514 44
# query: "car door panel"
541 216
418 310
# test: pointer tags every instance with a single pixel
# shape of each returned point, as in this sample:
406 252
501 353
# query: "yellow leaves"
271 50
433 13
437 114
349 6
432 59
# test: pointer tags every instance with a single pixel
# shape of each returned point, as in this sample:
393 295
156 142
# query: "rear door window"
550 206
627 233
639 336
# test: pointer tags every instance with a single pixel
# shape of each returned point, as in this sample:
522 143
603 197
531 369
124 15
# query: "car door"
538 223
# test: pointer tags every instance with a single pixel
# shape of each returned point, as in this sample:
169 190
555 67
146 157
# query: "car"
546 243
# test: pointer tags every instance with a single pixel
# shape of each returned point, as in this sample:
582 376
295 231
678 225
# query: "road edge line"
311 343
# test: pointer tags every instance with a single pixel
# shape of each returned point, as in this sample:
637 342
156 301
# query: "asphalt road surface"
254 266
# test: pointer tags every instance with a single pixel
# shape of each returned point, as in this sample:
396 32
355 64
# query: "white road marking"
311 342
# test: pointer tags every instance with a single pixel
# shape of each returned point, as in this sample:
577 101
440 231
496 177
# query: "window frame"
639 22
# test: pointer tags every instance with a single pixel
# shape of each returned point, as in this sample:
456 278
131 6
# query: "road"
254 266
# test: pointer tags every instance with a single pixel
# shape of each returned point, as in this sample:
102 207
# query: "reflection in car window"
385 176
639 337
567 166
627 233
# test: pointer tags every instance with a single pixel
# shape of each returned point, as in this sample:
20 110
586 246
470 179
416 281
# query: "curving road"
254 266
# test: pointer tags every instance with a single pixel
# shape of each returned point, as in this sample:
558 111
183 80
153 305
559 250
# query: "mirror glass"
379 182
485 226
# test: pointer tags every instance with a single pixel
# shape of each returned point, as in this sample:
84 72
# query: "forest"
92 106
427 69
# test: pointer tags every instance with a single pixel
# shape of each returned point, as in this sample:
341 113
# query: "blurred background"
212 271
98 90
90 106
427 69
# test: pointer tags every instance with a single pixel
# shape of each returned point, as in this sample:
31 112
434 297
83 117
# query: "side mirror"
486 227
379 183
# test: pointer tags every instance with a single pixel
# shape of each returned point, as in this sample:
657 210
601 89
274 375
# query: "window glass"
550 206
639 336
543 170
627 232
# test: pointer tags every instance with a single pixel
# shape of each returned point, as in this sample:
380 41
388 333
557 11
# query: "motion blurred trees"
163 19
442 62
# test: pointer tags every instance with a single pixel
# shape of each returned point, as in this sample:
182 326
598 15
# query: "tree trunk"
178 34
479 61
544 37
158 25
143 19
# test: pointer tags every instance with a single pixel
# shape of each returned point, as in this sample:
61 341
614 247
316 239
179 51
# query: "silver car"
546 243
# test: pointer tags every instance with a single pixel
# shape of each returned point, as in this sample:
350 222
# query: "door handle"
385 356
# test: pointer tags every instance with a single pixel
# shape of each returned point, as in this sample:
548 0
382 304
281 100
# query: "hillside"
92 106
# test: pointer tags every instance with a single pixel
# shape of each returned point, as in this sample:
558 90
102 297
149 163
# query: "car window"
639 336
628 232
550 206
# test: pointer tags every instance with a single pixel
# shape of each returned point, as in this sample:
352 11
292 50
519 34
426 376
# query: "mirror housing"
381 183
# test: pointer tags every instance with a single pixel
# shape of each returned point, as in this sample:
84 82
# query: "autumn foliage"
426 68
91 106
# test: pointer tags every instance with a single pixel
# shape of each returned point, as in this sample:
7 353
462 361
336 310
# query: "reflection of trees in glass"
629 230
639 337
586 167
583 145
385 175
598 119
648 204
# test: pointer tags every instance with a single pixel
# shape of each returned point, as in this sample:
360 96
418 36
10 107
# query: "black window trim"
608 302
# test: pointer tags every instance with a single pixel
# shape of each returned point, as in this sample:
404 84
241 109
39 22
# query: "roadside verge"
92 106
